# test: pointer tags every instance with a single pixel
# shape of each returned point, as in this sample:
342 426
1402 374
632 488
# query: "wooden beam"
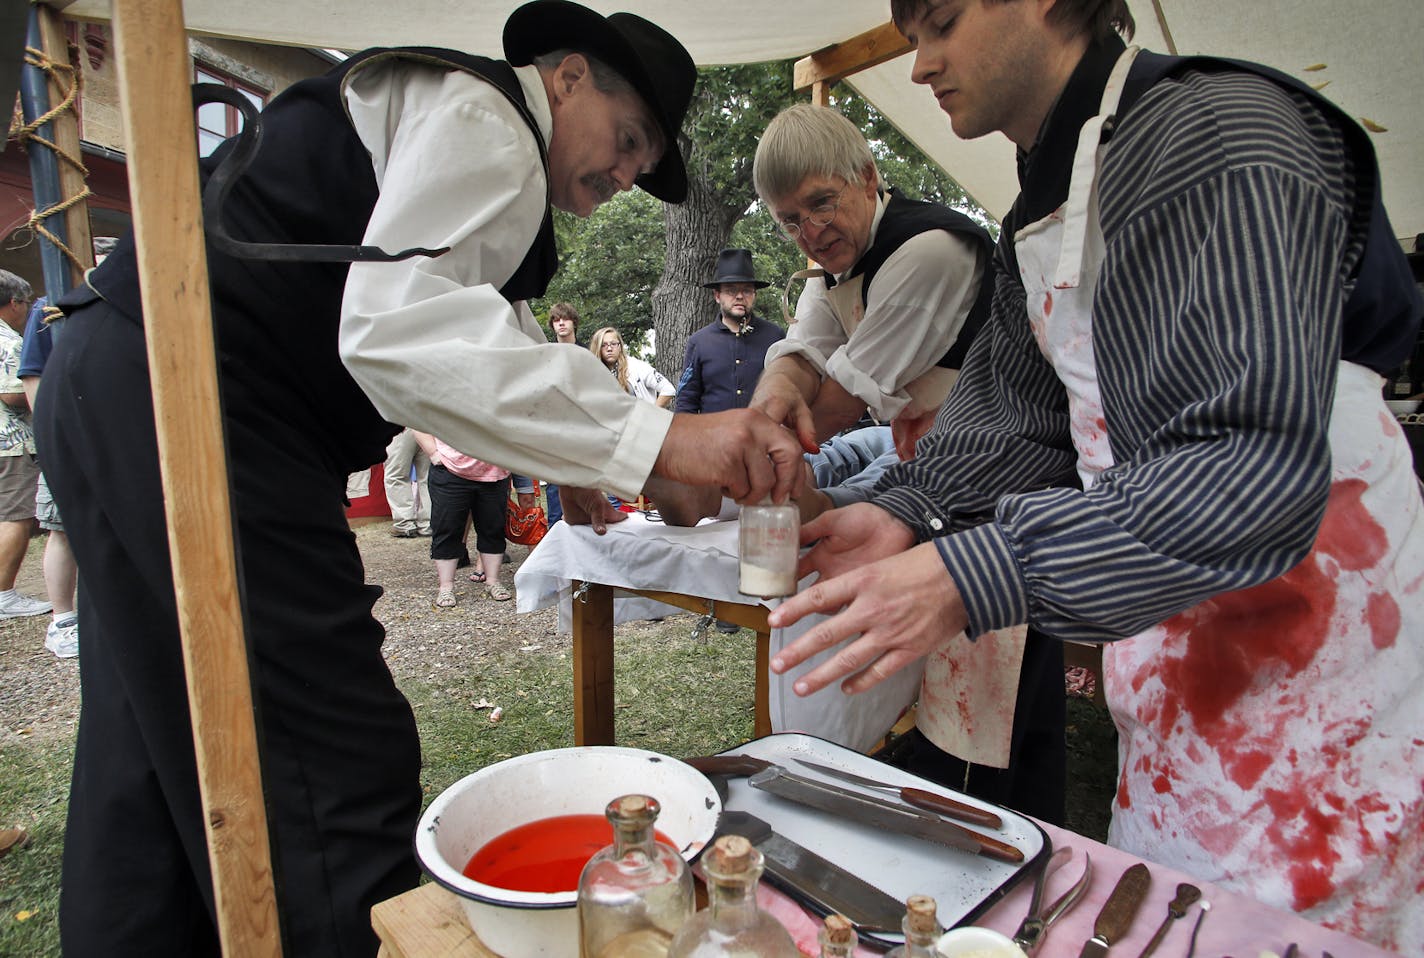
66 136
154 75
861 52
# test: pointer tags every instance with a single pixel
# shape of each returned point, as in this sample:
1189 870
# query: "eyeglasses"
738 292
818 216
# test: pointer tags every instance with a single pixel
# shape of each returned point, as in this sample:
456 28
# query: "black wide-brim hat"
643 53
735 266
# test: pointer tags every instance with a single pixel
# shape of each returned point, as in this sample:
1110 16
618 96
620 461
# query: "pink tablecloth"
1236 925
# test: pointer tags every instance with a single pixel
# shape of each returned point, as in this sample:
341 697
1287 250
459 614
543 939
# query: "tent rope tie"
69 80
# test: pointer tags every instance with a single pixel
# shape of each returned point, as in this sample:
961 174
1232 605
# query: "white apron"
1272 739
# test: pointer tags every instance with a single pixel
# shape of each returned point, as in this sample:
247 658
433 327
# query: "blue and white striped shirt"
1232 223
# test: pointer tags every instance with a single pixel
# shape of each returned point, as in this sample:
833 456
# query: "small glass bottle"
838 937
634 894
921 927
732 925
769 543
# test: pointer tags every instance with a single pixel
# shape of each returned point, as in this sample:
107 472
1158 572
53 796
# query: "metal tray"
964 886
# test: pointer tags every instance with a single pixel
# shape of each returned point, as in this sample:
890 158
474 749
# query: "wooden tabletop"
425 922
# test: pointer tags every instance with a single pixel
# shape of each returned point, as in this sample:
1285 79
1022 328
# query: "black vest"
311 182
902 221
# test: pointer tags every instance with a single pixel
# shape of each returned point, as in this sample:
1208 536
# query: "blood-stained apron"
1271 739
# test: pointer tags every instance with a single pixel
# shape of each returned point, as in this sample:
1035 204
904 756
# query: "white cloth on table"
701 562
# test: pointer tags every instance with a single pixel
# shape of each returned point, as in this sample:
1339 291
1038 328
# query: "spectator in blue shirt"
725 358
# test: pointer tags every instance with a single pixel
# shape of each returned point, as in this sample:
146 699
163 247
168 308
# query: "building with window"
257 71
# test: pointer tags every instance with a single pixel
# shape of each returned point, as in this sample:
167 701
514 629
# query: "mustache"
604 187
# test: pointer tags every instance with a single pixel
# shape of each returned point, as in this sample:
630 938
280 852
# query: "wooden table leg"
761 713
593 664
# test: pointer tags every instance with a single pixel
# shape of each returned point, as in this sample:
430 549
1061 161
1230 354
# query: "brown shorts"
19 477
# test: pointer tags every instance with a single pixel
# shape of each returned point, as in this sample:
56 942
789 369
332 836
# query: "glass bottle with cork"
732 925
635 894
838 937
921 927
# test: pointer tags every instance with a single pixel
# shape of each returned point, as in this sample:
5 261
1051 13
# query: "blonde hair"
805 140
620 368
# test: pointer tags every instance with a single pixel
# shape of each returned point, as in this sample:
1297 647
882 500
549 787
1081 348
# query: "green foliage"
608 265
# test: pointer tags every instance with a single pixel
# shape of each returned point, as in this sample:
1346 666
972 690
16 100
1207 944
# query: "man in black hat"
725 357
451 163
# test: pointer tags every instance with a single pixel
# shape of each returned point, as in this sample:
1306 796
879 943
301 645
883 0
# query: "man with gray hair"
887 320
19 474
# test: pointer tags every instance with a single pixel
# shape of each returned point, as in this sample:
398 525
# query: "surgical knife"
918 797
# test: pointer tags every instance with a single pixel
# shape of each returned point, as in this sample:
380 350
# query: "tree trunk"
697 230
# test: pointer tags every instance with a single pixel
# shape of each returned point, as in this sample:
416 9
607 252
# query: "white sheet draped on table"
701 562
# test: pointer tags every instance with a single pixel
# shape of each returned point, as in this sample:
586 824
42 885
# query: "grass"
674 696
36 792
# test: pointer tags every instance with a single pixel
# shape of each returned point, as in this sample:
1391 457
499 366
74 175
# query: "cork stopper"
632 809
839 930
732 855
920 912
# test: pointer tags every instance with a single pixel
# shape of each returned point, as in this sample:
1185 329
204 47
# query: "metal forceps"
1036 923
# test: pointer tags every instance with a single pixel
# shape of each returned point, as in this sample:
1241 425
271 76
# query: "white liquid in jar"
767 583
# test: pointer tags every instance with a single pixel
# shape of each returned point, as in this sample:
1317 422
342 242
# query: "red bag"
525 526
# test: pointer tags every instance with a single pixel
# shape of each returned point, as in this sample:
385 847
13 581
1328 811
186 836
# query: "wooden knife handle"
931 802
728 764
993 848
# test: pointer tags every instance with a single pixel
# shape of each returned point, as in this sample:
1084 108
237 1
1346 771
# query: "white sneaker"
16 605
62 637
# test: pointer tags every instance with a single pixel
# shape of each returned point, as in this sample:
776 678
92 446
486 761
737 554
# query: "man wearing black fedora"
725 357
450 164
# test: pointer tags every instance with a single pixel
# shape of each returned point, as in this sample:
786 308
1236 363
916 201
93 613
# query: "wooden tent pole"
154 77
66 137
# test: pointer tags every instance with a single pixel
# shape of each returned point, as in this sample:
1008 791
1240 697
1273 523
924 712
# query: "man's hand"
906 431
891 613
589 507
783 399
740 451
680 504
846 539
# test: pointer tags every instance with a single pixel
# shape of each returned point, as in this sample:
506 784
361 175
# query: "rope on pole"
68 78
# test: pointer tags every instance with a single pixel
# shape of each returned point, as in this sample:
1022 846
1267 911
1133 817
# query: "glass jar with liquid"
769 543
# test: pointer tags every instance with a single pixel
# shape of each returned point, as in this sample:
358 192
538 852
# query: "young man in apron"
1197 293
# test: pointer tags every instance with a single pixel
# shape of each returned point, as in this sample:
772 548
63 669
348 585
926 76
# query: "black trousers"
1036 779
340 754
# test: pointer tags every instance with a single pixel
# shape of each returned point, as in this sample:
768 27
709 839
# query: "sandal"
499 593
445 599
477 576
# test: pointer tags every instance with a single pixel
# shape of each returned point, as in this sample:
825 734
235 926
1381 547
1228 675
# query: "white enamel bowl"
565 781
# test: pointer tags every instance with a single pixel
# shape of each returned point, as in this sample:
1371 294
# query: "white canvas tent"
1368 53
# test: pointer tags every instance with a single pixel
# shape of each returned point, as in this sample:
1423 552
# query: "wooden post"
66 137
593 664
154 76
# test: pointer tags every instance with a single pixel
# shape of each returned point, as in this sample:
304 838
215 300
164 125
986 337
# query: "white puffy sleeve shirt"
914 311
430 340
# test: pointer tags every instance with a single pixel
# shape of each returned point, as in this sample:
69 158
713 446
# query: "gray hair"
804 140
605 78
14 287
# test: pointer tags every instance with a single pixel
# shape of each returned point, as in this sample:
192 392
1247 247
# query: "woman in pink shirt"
463 487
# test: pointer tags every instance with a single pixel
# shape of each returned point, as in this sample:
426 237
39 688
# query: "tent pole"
66 137
44 165
154 76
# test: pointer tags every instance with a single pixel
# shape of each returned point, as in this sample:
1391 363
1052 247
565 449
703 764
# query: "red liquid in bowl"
545 855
